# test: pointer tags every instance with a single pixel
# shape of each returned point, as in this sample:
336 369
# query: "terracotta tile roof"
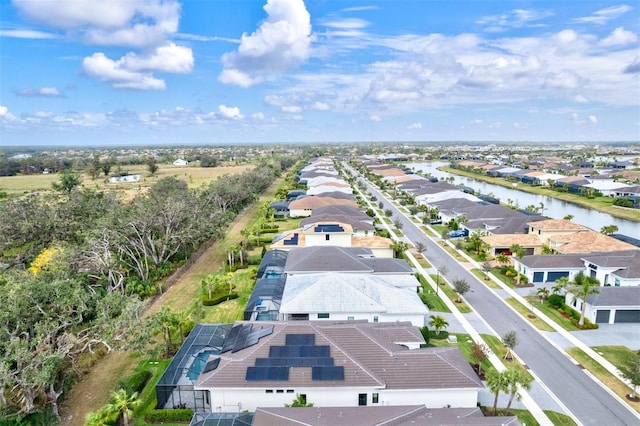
507 240
390 172
587 242
558 225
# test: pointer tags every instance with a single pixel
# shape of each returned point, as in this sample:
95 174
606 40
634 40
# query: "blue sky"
100 72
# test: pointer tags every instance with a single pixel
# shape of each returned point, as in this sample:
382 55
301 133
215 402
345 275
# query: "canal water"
553 208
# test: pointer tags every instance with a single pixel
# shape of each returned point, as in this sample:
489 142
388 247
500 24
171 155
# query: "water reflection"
553 207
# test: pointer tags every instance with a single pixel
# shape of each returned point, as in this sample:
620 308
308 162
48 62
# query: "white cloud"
107 22
375 118
517 18
603 16
320 106
291 109
136 72
347 24
28 34
113 72
619 37
633 67
593 119
258 116
414 126
282 41
42 92
230 112
580 99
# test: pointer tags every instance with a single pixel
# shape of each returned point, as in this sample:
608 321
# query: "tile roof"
558 225
627 261
616 296
507 240
361 222
587 242
541 261
341 259
316 202
387 415
367 352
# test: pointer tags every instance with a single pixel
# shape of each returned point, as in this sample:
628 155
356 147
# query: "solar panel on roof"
300 339
267 373
211 365
327 373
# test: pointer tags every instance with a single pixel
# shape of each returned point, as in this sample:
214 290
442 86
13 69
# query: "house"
323 189
344 296
615 268
546 229
355 260
360 223
281 208
180 162
612 305
402 415
586 242
305 206
331 233
501 243
549 267
333 365
125 179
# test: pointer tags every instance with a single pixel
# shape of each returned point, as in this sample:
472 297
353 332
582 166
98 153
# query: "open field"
195 177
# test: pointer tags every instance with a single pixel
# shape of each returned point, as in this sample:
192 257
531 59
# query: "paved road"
585 398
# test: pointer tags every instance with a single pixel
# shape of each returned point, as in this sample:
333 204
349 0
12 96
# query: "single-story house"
613 305
542 268
180 162
343 296
329 364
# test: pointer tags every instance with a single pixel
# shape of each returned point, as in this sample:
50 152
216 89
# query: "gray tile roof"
408 415
541 261
615 296
628 261
361 223
367 351
341 259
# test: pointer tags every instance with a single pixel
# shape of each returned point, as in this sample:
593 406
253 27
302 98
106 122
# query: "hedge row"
175 415
219 299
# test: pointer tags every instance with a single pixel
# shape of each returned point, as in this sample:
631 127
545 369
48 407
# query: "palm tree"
560 284
497 382
583 286
543 292
101 417
518 251
568 217
502 259
124 404
546 249
515 379
438 323
300 401
510 341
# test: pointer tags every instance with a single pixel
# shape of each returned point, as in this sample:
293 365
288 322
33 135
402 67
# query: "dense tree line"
77 265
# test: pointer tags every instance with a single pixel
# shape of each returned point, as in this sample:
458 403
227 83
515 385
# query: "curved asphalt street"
583 396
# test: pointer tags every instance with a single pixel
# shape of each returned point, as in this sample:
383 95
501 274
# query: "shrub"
216 300
556 301
136 382
161 416
425 333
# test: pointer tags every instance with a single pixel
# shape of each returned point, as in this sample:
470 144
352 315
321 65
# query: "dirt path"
92 392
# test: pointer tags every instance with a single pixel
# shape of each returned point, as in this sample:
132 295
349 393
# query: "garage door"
538 277
552 276
627 316
602 316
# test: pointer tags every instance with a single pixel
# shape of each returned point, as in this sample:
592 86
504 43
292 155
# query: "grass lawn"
483 277
526 418
498 348
451 294
553 313
525 312
422 260
610 381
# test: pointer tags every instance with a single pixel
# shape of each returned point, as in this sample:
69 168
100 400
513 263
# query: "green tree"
476 242
497 382
420 247
479 353
67 181
300 401
518 251
152 165
583 286
568 217
124 404
631 371
516 379
510 341
486 268
461 287
438 323
543 293
503 259
609 229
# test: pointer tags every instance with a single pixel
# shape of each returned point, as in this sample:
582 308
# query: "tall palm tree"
543 292
438 323
583 286
515 379
497 382
124 404
502 259
518 251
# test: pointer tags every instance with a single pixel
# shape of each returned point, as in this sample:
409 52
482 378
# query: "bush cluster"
223 298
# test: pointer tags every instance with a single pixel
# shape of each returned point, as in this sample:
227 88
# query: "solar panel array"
299 350
328 228
244 335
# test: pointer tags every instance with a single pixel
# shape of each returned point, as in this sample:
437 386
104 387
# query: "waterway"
553 207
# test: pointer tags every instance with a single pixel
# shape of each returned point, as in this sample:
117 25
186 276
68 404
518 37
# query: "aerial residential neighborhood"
330 213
